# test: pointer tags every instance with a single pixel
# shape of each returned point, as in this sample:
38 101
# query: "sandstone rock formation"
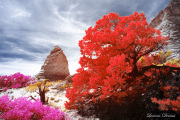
168 22
55 66
69 78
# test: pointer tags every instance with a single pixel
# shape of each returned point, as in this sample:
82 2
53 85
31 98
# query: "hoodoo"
55 66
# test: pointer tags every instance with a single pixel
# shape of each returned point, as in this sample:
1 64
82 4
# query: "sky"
29 29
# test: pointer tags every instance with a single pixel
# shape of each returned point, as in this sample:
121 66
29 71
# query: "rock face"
69 78
55 66
168 22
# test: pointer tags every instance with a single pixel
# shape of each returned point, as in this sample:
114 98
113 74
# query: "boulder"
55 66
69 78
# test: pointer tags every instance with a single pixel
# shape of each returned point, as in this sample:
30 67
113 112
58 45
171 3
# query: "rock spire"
55 66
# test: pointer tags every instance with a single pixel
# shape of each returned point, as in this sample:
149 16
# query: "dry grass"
46 82
64 86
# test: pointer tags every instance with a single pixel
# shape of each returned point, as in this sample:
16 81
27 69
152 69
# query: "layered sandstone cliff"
168 21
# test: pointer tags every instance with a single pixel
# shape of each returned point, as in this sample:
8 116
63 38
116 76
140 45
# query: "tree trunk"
42 95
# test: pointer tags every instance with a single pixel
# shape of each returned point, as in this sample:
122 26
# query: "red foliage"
168 103
109 63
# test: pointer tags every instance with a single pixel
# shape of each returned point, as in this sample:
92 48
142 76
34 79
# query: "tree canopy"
118 60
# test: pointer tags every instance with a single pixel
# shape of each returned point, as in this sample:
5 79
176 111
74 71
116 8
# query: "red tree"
110 62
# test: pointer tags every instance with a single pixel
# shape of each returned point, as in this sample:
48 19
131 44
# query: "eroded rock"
168 22
55 66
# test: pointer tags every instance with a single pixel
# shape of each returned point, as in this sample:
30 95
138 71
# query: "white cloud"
19 65
21 14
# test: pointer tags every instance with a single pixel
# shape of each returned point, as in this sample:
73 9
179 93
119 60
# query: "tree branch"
32 97
150 50
144 69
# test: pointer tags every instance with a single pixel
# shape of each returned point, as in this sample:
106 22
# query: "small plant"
16 80
22 108
42 87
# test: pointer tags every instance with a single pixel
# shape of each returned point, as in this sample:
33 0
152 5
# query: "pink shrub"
22 108
16 80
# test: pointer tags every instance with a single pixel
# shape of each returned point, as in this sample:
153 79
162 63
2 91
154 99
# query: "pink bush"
22 108
16 80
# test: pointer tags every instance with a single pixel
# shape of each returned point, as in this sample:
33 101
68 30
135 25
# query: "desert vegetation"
43 88
16 80
22 108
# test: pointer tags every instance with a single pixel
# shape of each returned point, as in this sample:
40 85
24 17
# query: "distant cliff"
168 21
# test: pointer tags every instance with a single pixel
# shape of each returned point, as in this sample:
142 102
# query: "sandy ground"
55 99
